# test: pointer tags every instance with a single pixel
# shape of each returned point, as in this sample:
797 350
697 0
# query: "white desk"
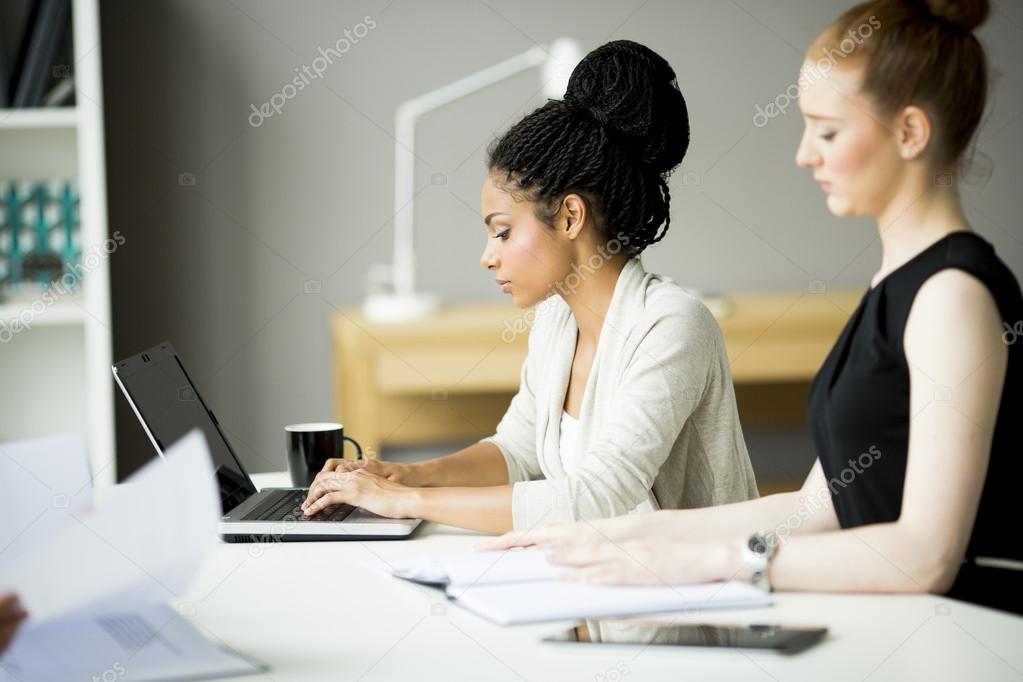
315 611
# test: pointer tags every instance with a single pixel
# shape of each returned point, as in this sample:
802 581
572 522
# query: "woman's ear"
913 130
573 208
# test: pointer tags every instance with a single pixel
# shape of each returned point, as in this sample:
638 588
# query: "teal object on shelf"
40 232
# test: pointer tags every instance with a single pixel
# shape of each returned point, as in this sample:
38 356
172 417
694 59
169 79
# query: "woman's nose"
488 261
806 155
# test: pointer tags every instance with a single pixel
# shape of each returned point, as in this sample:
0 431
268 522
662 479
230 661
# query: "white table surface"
318 611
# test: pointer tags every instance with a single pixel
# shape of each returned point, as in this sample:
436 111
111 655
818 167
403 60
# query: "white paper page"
156 644
485 568
479 568
420 569
42 482
140 548
533 602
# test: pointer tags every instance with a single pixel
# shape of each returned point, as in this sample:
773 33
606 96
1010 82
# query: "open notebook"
519 586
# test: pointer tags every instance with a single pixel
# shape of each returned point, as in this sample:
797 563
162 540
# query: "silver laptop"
168 406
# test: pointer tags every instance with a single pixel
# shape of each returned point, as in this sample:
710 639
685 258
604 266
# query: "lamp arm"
405 119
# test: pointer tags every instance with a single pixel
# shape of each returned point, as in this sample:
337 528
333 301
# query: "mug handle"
358 448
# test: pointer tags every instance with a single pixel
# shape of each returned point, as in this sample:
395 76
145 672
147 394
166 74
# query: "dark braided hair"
614 139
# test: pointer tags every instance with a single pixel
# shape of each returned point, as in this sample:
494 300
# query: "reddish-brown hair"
917 52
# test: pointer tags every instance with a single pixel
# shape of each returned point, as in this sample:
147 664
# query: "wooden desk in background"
451 376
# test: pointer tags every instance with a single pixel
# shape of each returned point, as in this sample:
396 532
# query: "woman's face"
526 256
853 155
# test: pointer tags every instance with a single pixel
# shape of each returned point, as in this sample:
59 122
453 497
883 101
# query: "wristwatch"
760 548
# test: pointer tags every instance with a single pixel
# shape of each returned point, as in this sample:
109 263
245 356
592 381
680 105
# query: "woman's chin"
524 301
839 207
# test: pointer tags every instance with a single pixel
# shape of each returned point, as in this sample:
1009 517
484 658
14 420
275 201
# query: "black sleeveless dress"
859 417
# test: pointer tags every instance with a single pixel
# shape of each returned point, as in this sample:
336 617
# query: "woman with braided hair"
626 401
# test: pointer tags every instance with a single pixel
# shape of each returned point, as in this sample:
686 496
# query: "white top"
658 426
568 443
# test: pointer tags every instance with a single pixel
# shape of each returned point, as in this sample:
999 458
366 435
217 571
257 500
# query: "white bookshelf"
56 374
39 119
63 313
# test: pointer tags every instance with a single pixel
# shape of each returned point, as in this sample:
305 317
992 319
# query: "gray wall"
219 266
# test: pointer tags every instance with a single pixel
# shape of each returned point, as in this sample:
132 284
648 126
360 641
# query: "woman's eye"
502 235
827 137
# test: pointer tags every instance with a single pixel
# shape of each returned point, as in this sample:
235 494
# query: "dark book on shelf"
44 41
13 19
4 101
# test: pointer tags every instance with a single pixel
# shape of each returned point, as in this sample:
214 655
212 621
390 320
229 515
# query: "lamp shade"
555 64
563 55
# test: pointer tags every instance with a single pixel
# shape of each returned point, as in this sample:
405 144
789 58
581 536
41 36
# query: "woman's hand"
360 488
650 561
617 529
392 471
11 616
580 533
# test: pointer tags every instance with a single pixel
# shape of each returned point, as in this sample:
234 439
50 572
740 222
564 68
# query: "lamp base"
393 308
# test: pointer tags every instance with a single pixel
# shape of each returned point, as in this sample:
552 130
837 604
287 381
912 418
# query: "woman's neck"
591 298
916 218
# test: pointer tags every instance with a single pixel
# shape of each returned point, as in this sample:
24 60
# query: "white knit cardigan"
659 427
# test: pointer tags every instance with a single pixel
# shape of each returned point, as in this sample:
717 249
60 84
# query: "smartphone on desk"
779 638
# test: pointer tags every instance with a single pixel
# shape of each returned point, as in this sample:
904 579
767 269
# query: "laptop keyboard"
289 506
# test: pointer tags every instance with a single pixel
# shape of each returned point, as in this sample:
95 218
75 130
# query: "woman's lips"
505 285
826 186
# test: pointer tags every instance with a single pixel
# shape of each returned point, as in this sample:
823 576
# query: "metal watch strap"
761 548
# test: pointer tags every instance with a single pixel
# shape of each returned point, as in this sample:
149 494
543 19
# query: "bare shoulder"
954 296
954 323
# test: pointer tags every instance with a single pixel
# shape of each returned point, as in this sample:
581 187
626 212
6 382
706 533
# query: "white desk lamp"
404 302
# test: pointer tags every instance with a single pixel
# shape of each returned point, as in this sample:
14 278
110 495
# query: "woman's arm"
808 510
477 508
489 465
487 509
480 464
957 367
957 364
467 488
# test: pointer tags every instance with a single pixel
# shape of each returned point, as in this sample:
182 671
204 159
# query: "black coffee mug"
311 445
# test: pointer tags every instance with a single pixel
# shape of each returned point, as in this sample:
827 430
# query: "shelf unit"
63 313
56 372
39 119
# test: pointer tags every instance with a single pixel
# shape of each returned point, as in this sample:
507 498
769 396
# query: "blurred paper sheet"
155 644
42 482
139 549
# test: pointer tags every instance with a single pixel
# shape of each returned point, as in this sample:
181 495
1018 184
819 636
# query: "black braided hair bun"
631 90
615 138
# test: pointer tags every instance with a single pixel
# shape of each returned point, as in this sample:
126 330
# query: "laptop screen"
166 400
